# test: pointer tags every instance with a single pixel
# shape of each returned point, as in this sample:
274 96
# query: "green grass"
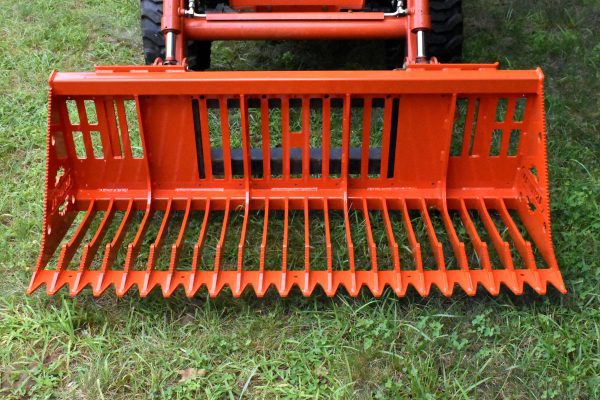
482 347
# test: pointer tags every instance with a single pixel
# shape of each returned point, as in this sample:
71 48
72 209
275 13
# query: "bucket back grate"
420 178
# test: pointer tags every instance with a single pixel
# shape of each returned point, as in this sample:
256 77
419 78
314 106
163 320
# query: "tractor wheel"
444 40
198 53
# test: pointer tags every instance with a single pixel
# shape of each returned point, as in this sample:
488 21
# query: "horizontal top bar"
413 80
291 16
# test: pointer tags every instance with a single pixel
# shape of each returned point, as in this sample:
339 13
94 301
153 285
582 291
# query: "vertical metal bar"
523 246
240 255
245 139
390 235
392 244
285 137
285 236
122 115
366 136
68 134
85 128
266 146
346 137
468 129
500 245
102 128
306 237
205 132
107 122
68 249
176 247
480 247
112 247
482 139
412 240
90 249
306 133
385 141
222 237
326 124
263 247
263 243
133 248
457 246
349 240
226 141
156 247
328 247
435 244
510 112
420 45
201 237
372 246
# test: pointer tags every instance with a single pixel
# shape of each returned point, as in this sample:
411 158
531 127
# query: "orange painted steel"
155 177
333 5
295 26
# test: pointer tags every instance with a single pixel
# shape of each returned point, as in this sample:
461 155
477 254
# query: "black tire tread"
445 39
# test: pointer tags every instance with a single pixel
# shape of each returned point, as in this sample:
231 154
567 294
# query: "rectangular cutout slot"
275 138
336 119
520 109
496 142
79 145
316 133
513 144
133 129
458 129
72 112
473 126
97 144
215 134
501 109
295 122
90 112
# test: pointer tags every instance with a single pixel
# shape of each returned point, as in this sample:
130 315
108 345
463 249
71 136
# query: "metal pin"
170 47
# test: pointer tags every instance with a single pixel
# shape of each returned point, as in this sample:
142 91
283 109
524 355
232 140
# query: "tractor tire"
198 52
445 39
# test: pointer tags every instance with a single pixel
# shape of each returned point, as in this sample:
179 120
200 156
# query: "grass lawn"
482 347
